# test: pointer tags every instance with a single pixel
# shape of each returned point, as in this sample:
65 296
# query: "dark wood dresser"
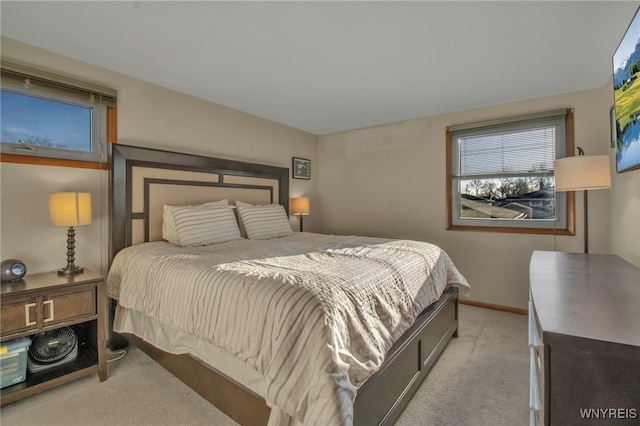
584 338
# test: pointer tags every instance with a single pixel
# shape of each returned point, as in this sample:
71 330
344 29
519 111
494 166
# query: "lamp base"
70 270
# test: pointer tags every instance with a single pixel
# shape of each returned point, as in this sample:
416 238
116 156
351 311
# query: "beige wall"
624 204
390 181
148 115
624 215
26 232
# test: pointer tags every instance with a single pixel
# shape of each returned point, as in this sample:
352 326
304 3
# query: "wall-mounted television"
626 87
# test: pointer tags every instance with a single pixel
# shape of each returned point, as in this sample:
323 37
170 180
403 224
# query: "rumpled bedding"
314 314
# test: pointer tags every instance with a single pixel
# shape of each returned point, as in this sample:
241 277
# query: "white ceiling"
331 66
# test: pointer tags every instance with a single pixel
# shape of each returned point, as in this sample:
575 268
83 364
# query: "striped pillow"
198 226
168 225
243 232
264 222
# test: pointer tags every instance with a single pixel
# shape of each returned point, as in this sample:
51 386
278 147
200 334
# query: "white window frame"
564 222
98 151
42 84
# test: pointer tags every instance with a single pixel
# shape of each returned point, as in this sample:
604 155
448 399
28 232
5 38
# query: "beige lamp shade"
582 172
70 208
300 206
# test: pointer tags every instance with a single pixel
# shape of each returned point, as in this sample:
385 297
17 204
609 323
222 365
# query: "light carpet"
481 378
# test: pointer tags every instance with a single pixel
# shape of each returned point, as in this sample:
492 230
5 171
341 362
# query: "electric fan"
52 348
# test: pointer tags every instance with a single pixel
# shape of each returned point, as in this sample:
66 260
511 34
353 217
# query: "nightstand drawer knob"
27 314
50 304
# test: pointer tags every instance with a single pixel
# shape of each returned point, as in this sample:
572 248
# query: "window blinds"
44 81
526 147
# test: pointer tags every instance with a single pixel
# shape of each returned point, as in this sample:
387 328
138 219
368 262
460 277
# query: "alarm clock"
12 270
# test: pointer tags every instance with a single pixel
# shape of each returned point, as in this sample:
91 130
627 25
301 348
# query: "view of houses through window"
501 173
508 198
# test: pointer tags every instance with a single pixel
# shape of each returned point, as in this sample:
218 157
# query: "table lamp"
70 209
300 207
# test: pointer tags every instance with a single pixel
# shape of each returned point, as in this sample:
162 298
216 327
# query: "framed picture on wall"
301 168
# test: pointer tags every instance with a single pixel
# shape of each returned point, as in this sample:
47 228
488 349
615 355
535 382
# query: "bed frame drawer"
430 338
399 375
407 364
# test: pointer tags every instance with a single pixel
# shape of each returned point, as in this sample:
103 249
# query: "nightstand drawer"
67 307
45 311
13 317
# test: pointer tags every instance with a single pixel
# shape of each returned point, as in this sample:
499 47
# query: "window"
50 116
500 174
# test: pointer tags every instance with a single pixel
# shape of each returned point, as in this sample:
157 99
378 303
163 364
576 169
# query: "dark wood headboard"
143 179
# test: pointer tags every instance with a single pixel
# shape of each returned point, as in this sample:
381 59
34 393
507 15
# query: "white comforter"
314 314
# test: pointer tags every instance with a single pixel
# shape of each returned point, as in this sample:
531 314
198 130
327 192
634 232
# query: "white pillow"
197 226
265 222
168 225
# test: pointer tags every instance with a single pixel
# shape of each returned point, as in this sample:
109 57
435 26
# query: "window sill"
509 230
40 161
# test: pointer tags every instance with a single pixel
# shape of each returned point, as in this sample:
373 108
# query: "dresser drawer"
536 370
535 418
535 335
535 396
536 393
48 310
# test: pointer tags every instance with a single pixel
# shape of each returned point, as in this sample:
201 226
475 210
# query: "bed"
301 328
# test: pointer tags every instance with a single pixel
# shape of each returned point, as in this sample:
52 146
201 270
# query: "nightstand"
43 302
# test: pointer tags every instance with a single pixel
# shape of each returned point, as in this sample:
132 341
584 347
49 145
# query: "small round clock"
12 270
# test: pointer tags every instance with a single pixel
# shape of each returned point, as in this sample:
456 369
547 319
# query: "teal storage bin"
13 361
